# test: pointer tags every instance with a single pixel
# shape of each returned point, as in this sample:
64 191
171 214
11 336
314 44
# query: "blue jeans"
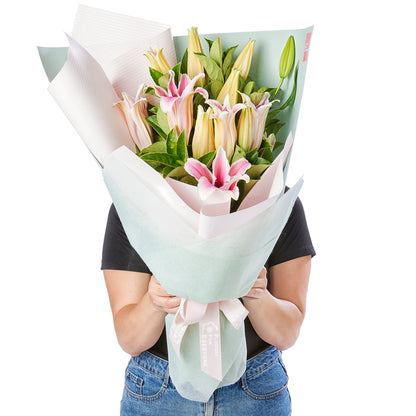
262 390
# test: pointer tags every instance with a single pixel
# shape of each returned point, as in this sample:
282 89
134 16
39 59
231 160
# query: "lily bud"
243 61
157 60
195 66
245 129
287 58
230 88
203 138
271 139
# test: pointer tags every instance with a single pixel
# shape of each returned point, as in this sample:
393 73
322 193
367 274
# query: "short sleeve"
118 253
295 240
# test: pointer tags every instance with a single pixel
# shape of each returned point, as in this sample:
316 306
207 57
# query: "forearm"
138 326
276 321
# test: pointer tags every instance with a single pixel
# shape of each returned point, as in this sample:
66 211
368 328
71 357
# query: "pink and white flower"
177 102
135 113
223 177
224 124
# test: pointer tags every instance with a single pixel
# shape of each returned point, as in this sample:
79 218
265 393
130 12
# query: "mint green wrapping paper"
190 266
186 264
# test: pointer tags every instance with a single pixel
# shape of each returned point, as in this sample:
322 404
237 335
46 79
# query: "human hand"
259 288
161 299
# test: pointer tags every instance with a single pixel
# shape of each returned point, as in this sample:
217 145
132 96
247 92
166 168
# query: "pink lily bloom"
252 122
135 113
177 102
224 124
223 177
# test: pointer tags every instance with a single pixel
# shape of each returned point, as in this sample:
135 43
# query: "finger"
172 302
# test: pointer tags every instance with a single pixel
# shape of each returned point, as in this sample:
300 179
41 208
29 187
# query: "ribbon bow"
208 317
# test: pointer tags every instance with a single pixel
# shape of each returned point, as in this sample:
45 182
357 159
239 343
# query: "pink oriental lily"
223 177
252 122
224 124
135 113
177 102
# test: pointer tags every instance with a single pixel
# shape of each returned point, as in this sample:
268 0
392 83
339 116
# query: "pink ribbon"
208 317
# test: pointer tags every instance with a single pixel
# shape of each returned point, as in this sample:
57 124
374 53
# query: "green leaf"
207 158
273 127
178 172
256 97
190 180
184 62
152 120
171 143
252 156
162 120
249 88
215 52
262 90
261 161
177 70
164 81
210 42
272 114
228 56
155 74
157 147
163 159
181 149
213 70
267 154
166 170
239 153
256 171
215 88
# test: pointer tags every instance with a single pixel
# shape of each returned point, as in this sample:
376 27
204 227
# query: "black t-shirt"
294 242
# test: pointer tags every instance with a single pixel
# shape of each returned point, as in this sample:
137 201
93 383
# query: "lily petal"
220 168
239 167
205 188
171 85
198 170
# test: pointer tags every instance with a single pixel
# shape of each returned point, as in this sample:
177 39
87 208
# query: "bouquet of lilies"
232 136
195 164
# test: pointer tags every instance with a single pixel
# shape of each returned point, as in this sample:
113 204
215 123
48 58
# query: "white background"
355 145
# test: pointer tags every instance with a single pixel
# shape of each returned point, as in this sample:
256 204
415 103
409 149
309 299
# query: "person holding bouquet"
276 305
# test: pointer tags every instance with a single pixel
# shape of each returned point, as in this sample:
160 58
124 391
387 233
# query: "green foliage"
155 74
153 121
213 70
184 62
215 52
227 58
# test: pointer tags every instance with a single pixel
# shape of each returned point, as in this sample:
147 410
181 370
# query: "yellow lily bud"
203 139
243 61
158 61
195 66
245 129
231 88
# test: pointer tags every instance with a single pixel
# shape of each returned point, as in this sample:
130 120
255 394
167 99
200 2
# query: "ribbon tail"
234 311
177 331
210 342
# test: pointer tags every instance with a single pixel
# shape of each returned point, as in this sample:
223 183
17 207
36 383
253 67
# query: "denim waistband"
160 366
